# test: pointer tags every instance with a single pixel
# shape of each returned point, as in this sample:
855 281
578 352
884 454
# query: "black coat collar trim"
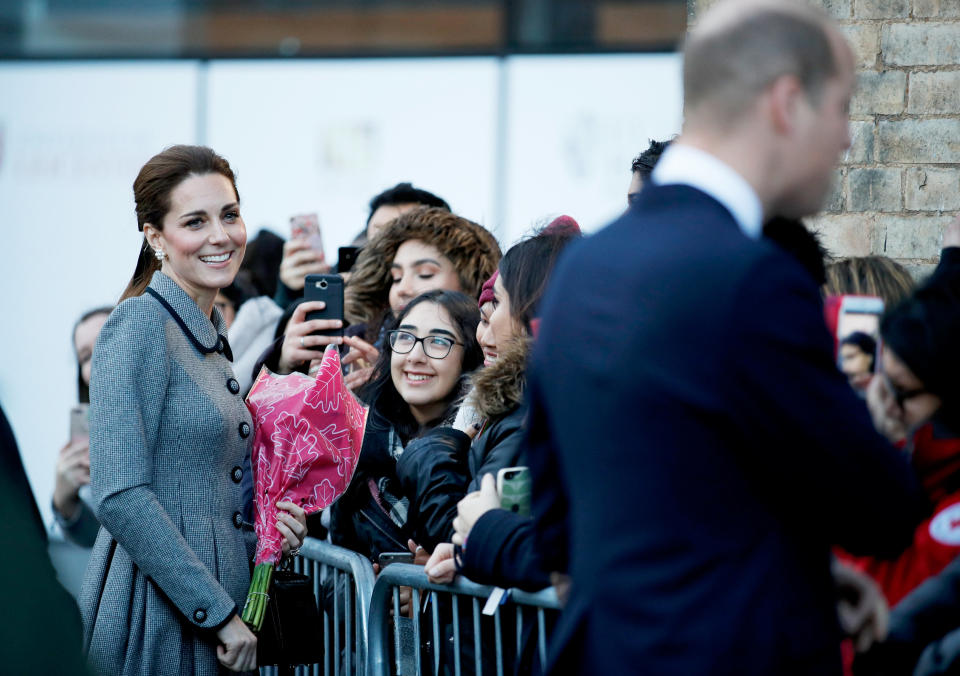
162 286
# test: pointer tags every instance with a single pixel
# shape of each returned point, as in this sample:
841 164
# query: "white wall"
507 142
73 138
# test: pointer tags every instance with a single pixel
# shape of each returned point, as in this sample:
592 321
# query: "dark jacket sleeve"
832 475
499 446
949 259
285 295
549 502
501 550
433 476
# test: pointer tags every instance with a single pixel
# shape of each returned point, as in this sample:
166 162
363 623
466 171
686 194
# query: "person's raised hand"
440 567
883 408
292 524
420 555
238 646
299 260
361 358
861 606
473 506
73 471
299 346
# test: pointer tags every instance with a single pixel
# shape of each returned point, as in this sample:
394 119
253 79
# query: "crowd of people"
719 485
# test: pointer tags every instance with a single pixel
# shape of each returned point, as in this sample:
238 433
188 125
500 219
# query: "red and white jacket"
936 541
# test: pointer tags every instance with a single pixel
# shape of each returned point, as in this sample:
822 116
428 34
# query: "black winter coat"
497 446
360 519
367 521
440 468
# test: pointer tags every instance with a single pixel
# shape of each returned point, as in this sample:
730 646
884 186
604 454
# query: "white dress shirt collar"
694 167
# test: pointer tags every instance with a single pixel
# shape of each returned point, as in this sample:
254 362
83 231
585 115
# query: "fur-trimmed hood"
498 388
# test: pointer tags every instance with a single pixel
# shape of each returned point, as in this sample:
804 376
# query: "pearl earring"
158 253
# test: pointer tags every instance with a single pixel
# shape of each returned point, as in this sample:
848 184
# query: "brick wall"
900 182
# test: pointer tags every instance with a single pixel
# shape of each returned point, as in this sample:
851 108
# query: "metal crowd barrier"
386 598
343 584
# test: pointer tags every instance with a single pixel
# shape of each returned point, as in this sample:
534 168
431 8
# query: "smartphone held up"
855 321
307 227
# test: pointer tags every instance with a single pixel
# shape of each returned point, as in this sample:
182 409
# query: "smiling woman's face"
423 382
203 236
500 328
419 267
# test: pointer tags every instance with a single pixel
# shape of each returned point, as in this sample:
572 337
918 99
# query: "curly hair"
471 248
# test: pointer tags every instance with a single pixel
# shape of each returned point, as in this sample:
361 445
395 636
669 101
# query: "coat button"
237 519
237 474
200 615
244 430
233 386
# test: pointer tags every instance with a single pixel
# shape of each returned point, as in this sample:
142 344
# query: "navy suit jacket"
687 410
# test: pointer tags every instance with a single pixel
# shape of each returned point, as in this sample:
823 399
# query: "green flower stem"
255 608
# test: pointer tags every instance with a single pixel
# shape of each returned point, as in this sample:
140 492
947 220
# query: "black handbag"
292 631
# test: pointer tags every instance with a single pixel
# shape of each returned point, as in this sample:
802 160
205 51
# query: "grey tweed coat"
169 433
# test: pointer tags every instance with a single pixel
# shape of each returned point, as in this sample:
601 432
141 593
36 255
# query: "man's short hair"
644 163
728 66
405 193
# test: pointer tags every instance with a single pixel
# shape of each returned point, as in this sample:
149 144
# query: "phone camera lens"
322 284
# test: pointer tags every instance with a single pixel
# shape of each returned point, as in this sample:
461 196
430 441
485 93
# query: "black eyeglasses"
900 395
435 347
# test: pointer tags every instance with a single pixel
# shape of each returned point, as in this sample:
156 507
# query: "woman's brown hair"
151 192
869 276
471 248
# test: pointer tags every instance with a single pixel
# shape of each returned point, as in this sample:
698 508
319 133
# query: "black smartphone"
346 257
395 557
329 289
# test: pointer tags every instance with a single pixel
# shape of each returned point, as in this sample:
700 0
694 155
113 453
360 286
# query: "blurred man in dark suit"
688 421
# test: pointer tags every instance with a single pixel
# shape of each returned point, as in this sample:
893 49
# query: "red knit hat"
486 293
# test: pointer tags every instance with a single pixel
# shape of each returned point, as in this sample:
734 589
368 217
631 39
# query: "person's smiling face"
501 327
426 383
419 267
203 236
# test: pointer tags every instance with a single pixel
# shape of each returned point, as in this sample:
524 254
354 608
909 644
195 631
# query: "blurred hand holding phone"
80 422
307 227
514 489
73 463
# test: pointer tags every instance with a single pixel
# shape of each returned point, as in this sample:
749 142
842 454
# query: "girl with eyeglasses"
415 387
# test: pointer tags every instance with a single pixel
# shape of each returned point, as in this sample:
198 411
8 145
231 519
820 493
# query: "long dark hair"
83 390
380 390
151 191
525 270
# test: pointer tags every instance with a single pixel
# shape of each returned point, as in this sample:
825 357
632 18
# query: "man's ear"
784 98
153 236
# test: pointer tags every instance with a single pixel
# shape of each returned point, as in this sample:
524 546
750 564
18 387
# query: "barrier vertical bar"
456 635
476 636
336 623
437 641
519 629
542 635
415 601
498 640
396 629
348 624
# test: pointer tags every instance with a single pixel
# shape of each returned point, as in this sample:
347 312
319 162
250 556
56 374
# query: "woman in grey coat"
169 439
